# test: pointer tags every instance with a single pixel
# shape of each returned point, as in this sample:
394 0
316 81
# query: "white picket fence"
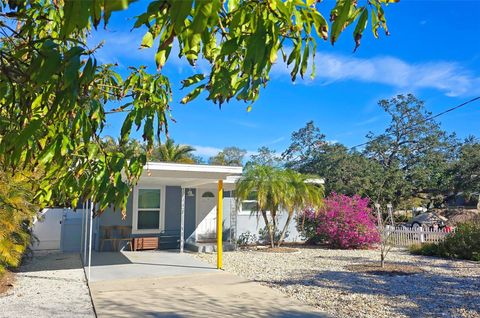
408 237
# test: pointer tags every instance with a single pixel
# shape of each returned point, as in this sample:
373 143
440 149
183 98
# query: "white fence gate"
58 229
408 237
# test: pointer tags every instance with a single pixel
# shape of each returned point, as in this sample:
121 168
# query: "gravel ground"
49 285
319 277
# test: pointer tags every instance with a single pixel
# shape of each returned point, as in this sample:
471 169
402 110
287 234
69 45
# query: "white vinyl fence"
408 237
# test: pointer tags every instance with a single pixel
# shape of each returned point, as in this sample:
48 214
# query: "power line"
430 118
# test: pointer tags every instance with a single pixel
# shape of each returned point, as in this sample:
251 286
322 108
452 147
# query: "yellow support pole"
219 224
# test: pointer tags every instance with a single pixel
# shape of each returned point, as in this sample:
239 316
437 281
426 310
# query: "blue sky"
433 51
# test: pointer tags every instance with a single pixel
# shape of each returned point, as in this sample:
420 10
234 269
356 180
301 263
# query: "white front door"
206 214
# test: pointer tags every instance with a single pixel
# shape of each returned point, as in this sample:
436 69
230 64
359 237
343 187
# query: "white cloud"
369 121
448 77
206 151
124 47
276 140
451 78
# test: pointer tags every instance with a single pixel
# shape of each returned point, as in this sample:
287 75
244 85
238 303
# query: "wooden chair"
125 236
106 235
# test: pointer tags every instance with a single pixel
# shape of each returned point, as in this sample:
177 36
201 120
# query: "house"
174 203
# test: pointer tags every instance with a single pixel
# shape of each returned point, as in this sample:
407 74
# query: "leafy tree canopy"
265 157
229 156
345 171
414 151
412 162
54 93
466 170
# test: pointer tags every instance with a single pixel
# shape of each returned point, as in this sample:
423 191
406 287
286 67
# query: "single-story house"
175 203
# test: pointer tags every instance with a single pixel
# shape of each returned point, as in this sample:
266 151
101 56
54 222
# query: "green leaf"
147 40
306 53
111 6
340 15
361 25
203 11
161 56
179 12
375 23
193 94
232 5
321 25
192 80
75 16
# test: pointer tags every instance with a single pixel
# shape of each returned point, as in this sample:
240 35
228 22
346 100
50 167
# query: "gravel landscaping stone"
48 285
321 278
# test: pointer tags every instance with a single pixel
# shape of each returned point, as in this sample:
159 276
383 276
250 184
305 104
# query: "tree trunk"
382 260
284 231
269 228
274 228
478 203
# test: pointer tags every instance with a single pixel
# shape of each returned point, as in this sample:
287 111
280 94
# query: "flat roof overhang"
190 175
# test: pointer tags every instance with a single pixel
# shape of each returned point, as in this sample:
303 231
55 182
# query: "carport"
156 177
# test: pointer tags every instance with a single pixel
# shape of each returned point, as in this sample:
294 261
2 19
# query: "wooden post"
219 224
182 221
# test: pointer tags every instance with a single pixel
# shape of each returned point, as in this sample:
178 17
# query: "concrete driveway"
169 284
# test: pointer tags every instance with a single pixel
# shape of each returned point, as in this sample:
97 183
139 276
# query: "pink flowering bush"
343 222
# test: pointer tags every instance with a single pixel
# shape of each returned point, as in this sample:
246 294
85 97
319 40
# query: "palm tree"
171 152
16 214
267 185
132 147
301 192
274 189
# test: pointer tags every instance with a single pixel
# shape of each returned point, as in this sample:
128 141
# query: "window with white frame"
249 206
148 210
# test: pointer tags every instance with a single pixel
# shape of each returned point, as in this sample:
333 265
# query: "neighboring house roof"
316 181
190 175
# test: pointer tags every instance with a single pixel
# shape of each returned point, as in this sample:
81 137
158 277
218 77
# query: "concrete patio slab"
193 289
146 264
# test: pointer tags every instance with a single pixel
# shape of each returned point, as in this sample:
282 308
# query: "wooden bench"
145 243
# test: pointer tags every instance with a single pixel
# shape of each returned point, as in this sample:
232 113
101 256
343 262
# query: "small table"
145 243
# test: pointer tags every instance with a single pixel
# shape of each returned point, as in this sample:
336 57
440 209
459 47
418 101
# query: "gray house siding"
253 224
171 235
112 217
173 203
228 205
190 214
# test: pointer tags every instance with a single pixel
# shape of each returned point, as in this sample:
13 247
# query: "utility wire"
430 117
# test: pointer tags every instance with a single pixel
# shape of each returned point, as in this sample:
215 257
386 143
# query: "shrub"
247 238
427 249
307 224
264 235
343 222
16 214
464 243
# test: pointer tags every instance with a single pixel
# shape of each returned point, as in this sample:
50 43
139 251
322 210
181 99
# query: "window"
208 194
248 207
148 210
